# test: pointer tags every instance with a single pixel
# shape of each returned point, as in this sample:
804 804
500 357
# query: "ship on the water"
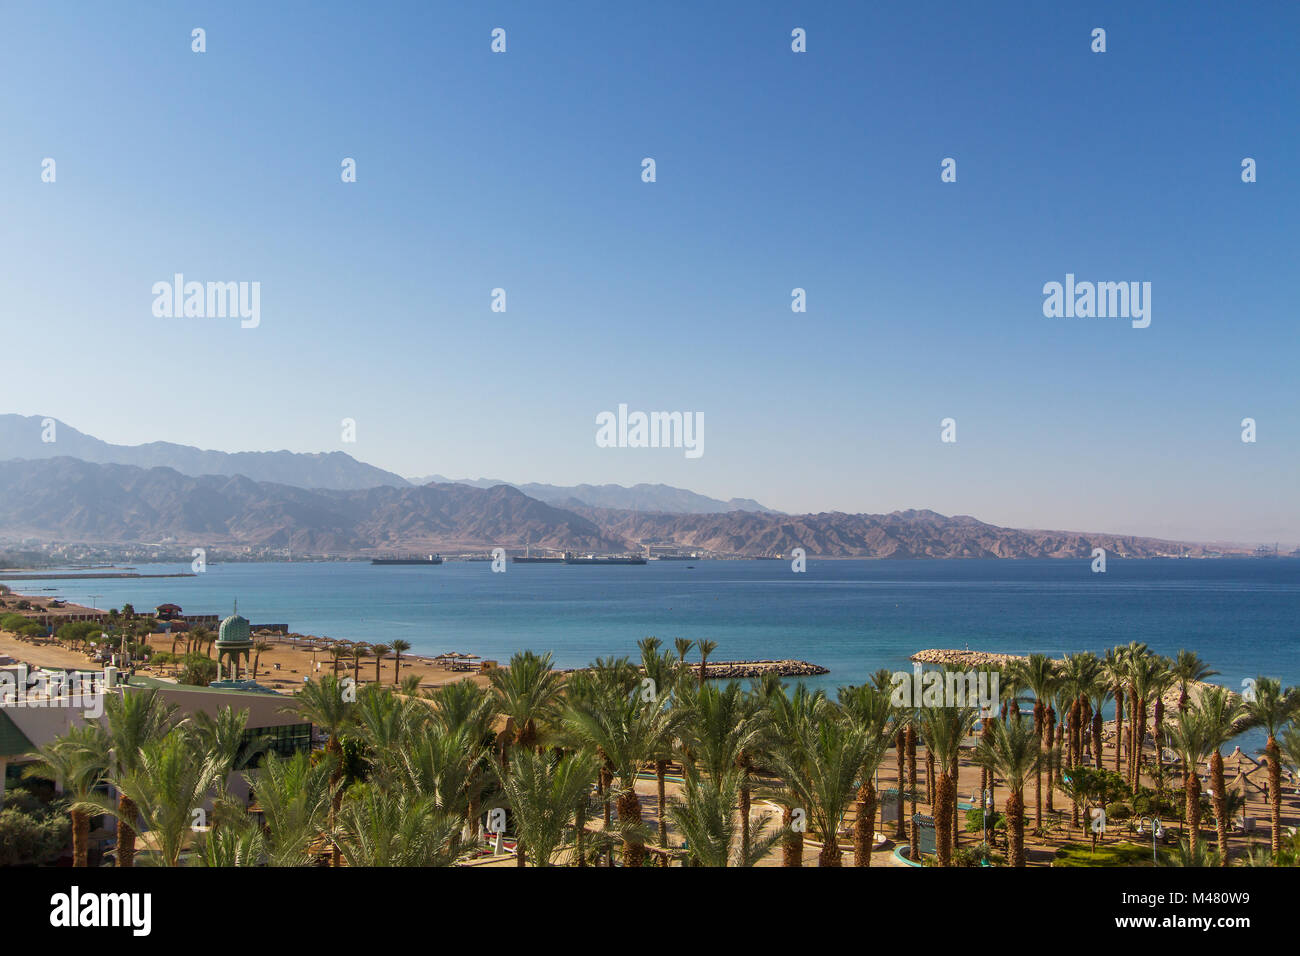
427 559
571 558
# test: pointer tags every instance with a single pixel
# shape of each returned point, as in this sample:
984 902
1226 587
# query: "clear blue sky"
775 170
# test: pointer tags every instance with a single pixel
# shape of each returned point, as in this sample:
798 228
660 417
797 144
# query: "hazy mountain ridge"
900 534
639 497
70 500
64 499
20 437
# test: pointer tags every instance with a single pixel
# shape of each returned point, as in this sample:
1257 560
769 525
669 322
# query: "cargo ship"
528 558
427 559
570 558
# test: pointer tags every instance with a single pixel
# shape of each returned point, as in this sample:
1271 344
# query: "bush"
1106 854
1118 811
28 839
199 671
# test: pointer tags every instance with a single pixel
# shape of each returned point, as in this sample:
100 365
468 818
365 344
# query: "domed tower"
234 638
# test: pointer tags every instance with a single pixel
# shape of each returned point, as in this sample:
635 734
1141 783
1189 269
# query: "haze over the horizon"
775 170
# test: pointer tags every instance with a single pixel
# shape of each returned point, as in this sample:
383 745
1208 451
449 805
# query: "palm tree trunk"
900 752
914 850
744 816
792 845
125 831
1016 828
661 770
929 777
1192 788
1274 794
954 771
1119 725
1040 720
80 838
1220 801
629 811
1096 738
580 831
944 794
830 852
864 827
1049 727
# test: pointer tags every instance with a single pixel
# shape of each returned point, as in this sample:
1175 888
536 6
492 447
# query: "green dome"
235 630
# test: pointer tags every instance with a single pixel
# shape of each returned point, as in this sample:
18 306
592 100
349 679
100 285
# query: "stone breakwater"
735 670
739 670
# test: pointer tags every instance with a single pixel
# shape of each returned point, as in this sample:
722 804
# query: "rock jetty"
736 670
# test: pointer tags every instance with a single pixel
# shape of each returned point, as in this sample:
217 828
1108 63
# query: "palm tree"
870 709
1039 675
449 768
1145 675
628 732
1114 669
543 794
824 775
224 738
294 796
1100 693
380 827
528 693
706 648
729 728
76 763
789 715
170 781
1222 717
706 819
1273 708
683 647
134 720
1013 752
399 646
380 651
358 651
1188 668
662 672
258 649
243 844
327 704
945 728
1193 742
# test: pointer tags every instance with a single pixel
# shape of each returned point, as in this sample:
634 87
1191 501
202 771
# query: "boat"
571 558
427 559
532 560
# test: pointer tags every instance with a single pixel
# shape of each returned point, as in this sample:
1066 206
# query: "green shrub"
28 839
1106 854
199 671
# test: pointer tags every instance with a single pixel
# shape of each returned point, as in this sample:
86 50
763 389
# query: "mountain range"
65 500
24 437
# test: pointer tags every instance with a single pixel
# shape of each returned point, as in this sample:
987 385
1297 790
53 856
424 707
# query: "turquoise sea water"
1242 616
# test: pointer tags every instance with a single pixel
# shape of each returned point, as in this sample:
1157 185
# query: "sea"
851 616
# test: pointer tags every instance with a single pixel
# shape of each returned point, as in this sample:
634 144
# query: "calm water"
1242 616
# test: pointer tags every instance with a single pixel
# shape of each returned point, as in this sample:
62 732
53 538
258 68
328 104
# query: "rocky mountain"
640 497
21 437
65 499
901 534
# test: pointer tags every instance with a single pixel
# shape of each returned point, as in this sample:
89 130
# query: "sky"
774 170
